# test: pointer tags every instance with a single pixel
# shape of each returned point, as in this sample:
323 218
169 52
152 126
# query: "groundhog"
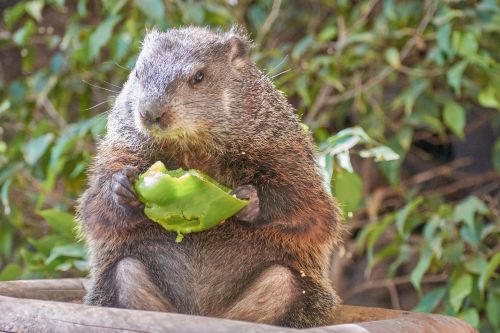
195 100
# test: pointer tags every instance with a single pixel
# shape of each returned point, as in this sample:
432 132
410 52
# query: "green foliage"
460 239
375 81
335 160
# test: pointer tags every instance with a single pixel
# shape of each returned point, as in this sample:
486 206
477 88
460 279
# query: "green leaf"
114 6
489 272
431 300
72 250
465 43
302 87
488 99
466 210
493 309
392 57
101 35
4 196
6 241
35 148
470 234
470 315
477 265
81 265
373 234
453 253
301 47
402 215
81 8
496 155
423 265
328 33
154 9
22 36
454 118
405 254
195 13
64 267
460 288
58 153
45 244
344 161
409 96
59 221
13 14
431 227
389 9
381 153
10 272
443 39
348 189
34 8
5 105
345 140
454 76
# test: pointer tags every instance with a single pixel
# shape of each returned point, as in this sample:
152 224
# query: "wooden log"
61 290
73 290
408 323
345 314
30 315
25 315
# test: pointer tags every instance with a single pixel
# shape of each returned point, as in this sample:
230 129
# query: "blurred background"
402 98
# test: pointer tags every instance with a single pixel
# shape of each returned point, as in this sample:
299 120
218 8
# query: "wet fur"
241 131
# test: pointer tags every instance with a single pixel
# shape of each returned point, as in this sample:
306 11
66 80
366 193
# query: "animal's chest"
210 165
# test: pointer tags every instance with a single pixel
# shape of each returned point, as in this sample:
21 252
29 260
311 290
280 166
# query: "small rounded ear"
238 49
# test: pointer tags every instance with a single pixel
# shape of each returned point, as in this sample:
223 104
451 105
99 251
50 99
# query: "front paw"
252 210
123 192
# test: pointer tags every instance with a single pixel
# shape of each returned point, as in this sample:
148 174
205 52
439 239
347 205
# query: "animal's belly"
206 270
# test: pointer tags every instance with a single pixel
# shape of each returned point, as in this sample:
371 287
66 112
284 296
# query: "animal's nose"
151 113
150 116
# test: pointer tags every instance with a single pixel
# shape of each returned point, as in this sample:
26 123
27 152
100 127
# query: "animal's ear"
239 45
238 49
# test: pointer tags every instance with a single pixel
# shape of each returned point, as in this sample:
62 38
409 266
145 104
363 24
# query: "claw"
252 210
122 189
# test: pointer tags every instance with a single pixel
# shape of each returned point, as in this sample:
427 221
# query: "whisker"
98 87
266 75
117 64
111 84
278 65
281 73
95 106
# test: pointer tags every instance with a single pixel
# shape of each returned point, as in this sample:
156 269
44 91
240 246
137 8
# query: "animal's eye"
198 77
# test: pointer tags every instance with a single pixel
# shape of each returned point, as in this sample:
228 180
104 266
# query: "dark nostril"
143 114
150 117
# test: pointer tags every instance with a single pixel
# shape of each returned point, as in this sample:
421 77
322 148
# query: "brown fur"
136 290
236 127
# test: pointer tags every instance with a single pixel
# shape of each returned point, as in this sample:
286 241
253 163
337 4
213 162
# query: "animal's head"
183 82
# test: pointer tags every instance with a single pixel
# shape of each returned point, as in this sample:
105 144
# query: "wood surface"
51 306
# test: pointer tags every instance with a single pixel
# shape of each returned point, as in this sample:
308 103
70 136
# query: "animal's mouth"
165 127
166 132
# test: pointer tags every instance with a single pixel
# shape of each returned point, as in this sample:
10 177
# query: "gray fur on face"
234 99
162 79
